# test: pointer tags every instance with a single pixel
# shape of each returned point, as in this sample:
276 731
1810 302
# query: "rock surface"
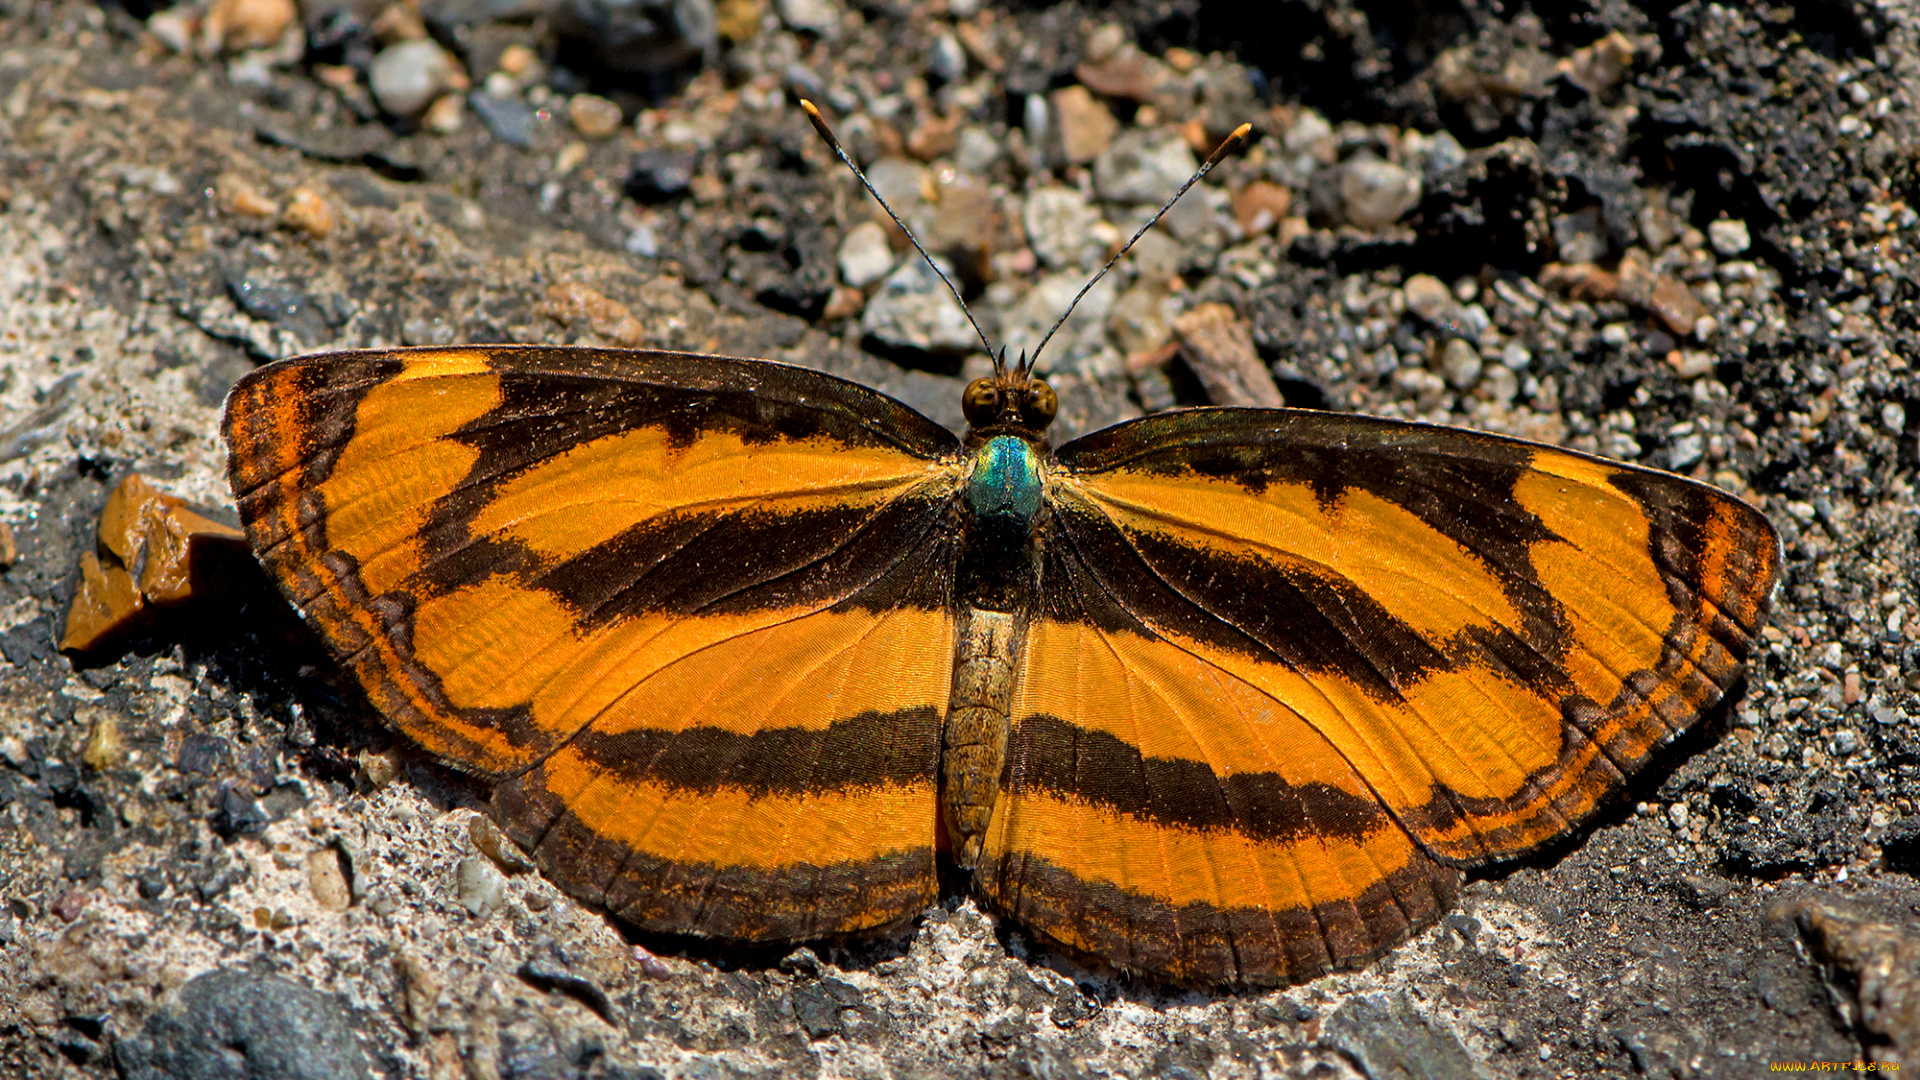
212 856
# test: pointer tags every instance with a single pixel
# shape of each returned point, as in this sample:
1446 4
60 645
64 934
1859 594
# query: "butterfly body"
1227 695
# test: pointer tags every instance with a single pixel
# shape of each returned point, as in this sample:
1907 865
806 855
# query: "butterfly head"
1009 402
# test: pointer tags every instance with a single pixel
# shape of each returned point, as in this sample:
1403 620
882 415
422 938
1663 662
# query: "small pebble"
658 175
308 212
1686 451
1143 166
406 77
975 149
844 302
105 747
1427 297
1260 206
70 904
739 20
913 310
865 256
1125 74
1023 321
1893 417
236 195
1377 193
483 888
934 136
644 241
1691 365
1729 236
1311 135
491 842
444 115
327 880
1499 383
569 157
1460 363
378 768
948 58
820 17
1105 42
240 25
1599 67
1440 153
397 22
509 119
518 62
1084 125
1141 321
593 116
650 965
1059 224
172 29
1578 236
1674 304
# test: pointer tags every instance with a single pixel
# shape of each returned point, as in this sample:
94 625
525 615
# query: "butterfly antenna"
820 125
1232 143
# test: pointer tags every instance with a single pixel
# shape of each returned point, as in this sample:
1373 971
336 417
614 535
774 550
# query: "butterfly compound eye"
1038 405
981 403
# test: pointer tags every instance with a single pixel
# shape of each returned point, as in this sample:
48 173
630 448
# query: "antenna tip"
1239 133
813 112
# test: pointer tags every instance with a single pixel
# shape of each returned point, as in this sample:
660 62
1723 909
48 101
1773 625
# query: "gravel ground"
1678 235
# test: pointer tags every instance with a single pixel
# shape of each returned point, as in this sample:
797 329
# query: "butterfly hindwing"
1164 813
643 590
1492 633
780 784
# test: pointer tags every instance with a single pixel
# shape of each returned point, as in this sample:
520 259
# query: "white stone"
1060 227
1460 363
1143 165
914 310
407 76
815 16
865 256
1377 193
482 887
1428 298
1729 236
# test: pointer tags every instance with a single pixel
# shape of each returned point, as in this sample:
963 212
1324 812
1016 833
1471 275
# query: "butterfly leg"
974 744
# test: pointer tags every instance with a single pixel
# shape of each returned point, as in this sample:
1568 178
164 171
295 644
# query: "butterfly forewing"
649 591
1491 633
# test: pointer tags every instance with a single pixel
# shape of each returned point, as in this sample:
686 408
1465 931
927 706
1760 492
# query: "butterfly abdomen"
998 575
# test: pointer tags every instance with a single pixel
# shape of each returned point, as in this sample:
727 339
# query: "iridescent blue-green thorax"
1004 491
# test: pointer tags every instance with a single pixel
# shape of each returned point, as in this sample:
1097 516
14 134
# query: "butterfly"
1227 696
1224 695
